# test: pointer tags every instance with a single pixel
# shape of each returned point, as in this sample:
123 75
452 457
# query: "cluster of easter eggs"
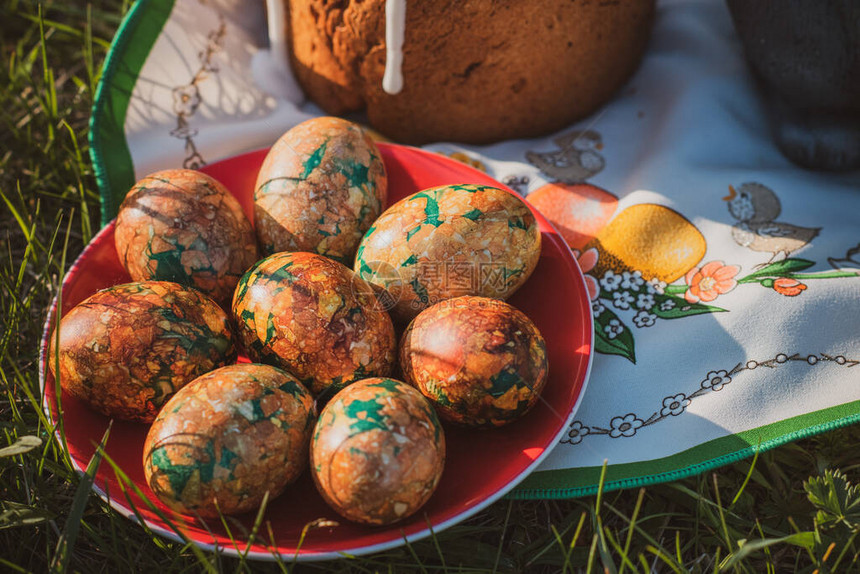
162 349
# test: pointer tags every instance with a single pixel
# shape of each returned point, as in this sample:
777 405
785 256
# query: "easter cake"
472 71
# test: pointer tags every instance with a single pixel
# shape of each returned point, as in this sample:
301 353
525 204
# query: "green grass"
790 509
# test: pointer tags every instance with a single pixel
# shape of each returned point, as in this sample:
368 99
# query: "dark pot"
805 55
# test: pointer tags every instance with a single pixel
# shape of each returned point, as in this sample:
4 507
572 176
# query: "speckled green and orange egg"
126 349
378 451
480 361
315 318
450 241
319 189
182 225
228 438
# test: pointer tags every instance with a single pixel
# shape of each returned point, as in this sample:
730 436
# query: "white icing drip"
395 33
271 68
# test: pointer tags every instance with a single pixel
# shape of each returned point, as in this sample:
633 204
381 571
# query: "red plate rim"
391 153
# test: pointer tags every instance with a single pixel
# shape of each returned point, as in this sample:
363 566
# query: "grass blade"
20 446
501 538
632 527
803 539
13 515
73 523
125 482
746 478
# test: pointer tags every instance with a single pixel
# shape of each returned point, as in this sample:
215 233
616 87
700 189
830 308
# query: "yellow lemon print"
653 239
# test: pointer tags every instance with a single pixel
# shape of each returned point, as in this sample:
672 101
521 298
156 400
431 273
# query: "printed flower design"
622 299
576 433
632 281
706 283
183 131
587 261
640 286
674 405
788 286
613 328
644 319
597 308
186 99
610 281
677 404
519 183
787 278
644 301
716 380
625 426
655 286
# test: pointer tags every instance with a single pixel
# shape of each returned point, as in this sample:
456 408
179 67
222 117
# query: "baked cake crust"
474 71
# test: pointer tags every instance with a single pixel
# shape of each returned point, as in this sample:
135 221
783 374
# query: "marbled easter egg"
480 361
183 226
377 451
227 438
126 349
319 189
450 241
315 318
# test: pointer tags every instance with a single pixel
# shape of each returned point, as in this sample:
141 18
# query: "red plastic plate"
482 465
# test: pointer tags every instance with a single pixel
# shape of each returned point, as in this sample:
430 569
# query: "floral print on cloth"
646 264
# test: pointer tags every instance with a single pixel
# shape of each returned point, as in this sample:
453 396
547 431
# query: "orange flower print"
706 283
788 286
587 261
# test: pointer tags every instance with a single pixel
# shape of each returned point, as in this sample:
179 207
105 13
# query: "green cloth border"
129 50
722 451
